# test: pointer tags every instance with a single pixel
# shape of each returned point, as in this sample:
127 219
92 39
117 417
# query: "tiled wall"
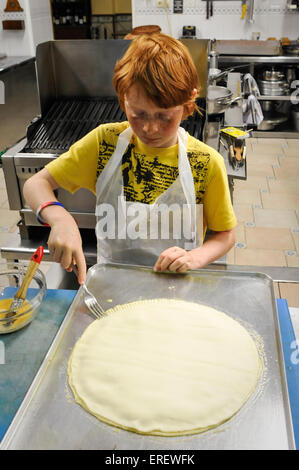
38 28
271 18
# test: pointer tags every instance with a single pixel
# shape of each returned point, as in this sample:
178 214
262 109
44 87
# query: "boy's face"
155 127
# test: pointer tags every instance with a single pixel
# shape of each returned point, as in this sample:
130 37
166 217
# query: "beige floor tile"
296 240
280 200
8 218
269 238
268 147
249 144
240 233
292 142
275 218
230 259
247 196
263 158
4 205
286 162
293 261
290 291
260 170
254 257
265 141
3 199
2 180
252 182
243 212
292 152
286 185
251 140
4 236
287 171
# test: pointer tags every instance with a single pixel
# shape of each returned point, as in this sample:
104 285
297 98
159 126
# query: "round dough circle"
164 367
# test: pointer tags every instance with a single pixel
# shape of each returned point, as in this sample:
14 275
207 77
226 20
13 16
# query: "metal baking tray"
49 418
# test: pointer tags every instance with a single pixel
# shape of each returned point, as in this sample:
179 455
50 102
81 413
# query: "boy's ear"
188 109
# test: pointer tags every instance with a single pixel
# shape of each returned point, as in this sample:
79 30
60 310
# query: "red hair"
163 67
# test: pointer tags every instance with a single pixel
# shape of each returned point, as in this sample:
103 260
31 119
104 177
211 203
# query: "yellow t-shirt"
147 171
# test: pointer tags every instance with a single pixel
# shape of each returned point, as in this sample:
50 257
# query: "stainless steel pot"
219 99
277 88
273 83
273 75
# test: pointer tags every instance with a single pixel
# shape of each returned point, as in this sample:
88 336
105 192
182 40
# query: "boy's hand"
175 259
65 246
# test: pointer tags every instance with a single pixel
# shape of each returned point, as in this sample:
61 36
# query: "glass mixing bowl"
11 277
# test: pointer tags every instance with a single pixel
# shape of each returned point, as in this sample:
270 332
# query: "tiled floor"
267 208
267 205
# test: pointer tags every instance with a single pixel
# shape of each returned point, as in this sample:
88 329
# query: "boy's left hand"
175 259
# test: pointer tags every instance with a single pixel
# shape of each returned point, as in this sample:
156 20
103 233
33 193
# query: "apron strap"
110 168
185 172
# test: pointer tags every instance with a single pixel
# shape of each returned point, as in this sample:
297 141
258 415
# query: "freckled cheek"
172 127
135 126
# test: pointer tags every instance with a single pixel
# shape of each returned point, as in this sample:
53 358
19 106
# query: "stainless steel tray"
50 419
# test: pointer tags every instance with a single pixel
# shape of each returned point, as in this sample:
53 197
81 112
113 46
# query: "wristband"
43 206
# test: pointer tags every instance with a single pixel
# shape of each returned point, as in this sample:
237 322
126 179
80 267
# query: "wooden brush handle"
33 265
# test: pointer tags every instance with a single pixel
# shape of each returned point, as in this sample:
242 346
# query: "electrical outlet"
162 3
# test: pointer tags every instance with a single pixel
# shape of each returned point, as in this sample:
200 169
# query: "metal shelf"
276 98
245 59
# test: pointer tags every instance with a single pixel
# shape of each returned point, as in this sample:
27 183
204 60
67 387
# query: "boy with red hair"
144 163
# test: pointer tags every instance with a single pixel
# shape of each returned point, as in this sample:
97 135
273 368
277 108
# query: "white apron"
137 233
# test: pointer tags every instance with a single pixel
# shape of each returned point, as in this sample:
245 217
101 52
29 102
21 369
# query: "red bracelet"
43 206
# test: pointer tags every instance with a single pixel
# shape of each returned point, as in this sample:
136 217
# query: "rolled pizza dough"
164 367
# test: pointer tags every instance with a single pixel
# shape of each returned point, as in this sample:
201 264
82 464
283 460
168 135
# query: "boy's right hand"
65 245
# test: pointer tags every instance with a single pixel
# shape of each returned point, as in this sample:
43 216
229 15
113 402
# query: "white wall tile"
271 18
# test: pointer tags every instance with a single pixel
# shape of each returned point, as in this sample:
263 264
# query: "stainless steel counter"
20 249
265 59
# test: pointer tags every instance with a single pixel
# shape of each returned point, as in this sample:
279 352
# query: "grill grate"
69 120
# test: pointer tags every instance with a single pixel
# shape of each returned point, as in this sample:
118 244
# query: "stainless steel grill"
69 120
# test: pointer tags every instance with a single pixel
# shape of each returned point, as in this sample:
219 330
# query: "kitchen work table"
23 351
26 349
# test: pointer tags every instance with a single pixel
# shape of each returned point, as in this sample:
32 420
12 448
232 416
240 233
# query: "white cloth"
253 113
251 84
